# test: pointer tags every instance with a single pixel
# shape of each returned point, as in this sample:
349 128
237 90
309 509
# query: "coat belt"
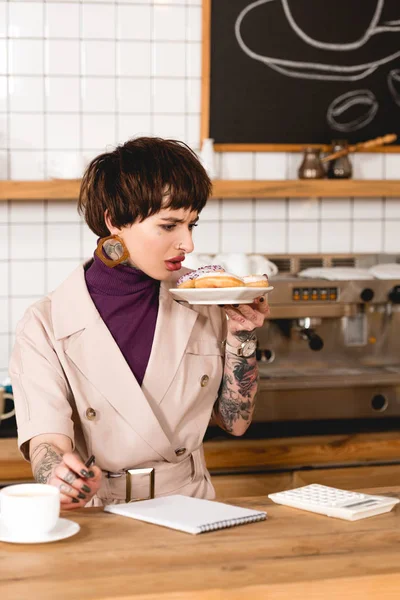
167 477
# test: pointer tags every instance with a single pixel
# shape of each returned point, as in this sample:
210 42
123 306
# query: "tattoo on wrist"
237 392
44 468
244 335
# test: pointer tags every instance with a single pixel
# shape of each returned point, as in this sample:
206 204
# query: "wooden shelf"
68 189
53 189
300 188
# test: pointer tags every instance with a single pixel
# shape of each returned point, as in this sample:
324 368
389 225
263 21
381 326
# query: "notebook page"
192 515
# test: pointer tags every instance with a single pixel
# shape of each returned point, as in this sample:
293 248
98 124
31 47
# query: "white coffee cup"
3 397
260 264
236 263
28 509
244 264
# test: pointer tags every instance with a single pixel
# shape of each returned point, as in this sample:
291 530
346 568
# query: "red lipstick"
174 263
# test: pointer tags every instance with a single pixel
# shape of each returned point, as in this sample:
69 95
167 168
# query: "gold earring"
109 262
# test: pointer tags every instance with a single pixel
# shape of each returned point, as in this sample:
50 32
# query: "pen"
90 461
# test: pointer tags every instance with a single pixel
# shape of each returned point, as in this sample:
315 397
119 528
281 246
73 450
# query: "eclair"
255 281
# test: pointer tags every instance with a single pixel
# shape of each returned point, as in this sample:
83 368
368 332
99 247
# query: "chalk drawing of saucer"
354 68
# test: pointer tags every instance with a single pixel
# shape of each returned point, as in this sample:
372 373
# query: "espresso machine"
331 347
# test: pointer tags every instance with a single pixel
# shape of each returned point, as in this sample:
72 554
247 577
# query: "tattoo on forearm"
46 463
245 376
237 391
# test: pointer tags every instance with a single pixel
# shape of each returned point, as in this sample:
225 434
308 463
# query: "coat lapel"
174 326
96 354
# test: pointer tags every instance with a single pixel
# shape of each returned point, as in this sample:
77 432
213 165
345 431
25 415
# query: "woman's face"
158 244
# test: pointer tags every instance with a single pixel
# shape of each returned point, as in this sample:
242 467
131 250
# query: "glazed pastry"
217 280
256 281
211 269
187 280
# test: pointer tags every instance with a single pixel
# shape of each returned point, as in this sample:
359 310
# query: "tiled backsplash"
77 77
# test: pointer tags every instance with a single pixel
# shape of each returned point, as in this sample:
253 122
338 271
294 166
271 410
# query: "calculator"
332 502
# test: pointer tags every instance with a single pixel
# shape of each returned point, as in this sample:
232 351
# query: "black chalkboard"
299 72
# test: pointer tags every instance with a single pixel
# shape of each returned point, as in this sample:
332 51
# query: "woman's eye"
167 227
192 225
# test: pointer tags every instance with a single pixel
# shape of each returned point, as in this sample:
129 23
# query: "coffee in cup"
29 508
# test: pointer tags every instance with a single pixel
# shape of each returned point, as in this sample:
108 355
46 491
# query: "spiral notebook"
192 515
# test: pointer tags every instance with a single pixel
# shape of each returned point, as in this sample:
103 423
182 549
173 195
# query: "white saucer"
63 529
234 295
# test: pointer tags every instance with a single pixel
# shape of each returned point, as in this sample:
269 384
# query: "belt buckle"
129 476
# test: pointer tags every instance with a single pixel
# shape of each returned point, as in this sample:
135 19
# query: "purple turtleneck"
127 300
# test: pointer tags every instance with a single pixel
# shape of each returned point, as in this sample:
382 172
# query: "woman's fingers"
69 491
76 465
77 483
246 316
96 480
64 474
76 488
69 503
262 305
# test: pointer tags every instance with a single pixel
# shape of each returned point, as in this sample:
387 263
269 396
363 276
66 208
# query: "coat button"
180 451
91 414
204 380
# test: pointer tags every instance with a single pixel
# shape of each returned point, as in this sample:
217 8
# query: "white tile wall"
78 76
270 237
335 236
367 235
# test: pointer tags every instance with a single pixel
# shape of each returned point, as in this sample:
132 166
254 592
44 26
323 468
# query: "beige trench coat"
69 377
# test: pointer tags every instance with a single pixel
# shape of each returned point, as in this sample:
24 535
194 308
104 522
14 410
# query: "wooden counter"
293 555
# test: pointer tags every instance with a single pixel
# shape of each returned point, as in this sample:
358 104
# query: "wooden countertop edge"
268 454
346 588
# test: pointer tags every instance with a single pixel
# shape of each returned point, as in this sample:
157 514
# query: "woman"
109 364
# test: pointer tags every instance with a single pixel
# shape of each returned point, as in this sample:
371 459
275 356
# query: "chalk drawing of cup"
350 22
327 67
352 111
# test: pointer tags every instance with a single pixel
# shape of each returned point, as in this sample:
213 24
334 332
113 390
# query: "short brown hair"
132 182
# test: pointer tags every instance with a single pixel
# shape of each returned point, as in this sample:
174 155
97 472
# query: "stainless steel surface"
355 374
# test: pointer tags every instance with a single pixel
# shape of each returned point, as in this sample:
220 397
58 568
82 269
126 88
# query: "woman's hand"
77 483
246 317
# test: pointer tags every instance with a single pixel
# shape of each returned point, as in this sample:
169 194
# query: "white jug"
207 157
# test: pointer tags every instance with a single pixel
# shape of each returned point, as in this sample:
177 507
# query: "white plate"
235 295
64 529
